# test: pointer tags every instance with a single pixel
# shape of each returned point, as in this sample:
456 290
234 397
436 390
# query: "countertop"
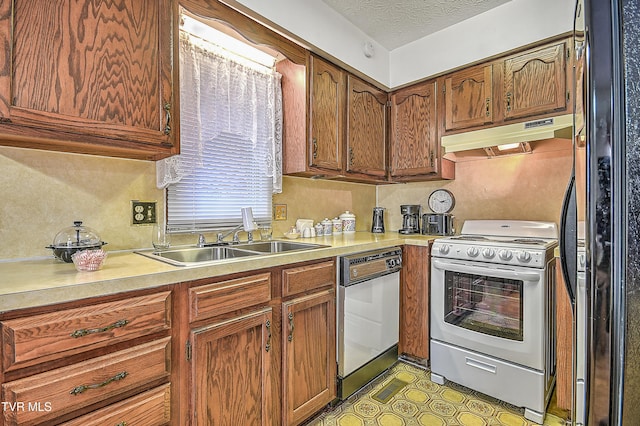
39 282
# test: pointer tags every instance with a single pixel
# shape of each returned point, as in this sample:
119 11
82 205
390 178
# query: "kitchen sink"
277 246
188 256
197 255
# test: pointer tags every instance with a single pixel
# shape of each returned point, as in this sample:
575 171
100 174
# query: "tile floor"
424 403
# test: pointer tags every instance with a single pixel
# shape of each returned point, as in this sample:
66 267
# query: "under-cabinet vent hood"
519 133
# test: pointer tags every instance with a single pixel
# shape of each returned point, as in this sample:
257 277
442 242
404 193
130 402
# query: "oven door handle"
485 270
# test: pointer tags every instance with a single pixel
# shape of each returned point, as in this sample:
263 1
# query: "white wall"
315 23
511 25
516 23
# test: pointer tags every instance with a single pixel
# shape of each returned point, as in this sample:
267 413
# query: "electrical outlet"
143 212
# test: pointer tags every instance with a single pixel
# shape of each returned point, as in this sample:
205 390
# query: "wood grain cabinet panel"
326 114
309 355
536 82
77 386
366 129
564 342
45 337
89 76
231 371
414 302
307 278
208 301
151 408
468 97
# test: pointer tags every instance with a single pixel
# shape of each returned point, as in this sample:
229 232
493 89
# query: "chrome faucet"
221 236
201 240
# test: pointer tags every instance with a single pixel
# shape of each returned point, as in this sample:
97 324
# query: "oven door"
496 310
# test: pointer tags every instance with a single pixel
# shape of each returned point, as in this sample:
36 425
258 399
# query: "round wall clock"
441 201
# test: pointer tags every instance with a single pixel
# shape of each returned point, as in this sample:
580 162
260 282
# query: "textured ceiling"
393 24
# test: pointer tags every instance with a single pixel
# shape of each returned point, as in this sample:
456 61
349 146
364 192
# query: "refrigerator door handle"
568 239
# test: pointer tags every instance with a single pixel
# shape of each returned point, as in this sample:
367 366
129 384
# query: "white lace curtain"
220 97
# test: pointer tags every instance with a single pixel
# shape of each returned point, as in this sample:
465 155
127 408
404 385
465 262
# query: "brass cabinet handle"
122 423
488 111
84 331
79 389
351 157
290 337
509 101
268 345
315 148
167 126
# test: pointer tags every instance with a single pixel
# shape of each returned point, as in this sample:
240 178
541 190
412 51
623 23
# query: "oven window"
484 304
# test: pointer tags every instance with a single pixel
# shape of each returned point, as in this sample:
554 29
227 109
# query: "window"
230 137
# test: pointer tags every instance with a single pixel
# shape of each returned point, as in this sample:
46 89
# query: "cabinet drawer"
151 408
70 388
207 301
39 338
310 277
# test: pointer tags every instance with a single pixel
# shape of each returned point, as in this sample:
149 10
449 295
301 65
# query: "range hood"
510 134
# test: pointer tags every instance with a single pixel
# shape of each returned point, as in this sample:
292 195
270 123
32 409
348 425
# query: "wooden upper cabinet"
326 114
366 140
89 76
414 136
535 82
468 97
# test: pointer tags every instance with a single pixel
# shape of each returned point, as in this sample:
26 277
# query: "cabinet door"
468 97
88 76
366 128
414 142
326 114
309 355
230 371
535 82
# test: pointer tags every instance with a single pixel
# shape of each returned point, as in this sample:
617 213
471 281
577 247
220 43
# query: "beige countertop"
39 282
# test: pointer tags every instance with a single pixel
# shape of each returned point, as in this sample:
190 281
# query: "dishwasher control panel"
364 266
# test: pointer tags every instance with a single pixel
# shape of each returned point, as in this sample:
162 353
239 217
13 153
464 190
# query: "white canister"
327 226
337 225
348 222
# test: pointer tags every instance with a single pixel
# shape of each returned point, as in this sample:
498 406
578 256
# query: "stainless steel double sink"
189 256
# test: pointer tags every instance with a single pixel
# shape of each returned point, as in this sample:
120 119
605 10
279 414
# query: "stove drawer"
511 383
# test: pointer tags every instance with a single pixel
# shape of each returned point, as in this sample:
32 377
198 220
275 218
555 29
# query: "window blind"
230 118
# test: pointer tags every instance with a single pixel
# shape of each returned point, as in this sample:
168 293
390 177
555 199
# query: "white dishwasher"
367 316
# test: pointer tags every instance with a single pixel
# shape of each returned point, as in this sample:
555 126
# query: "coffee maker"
410 219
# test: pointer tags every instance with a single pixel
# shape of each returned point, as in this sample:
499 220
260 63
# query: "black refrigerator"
601 213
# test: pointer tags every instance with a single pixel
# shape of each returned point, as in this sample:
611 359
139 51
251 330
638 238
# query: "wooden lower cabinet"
309 355
59 392
231 371
414 302
564 342
151 408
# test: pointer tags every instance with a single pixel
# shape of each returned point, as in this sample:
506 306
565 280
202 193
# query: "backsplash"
43 192
519 187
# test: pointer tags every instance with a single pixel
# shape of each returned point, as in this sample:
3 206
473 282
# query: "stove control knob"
443 249
505 254
488 253
472 251
524 256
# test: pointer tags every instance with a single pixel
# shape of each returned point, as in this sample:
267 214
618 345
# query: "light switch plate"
279 212
143 212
